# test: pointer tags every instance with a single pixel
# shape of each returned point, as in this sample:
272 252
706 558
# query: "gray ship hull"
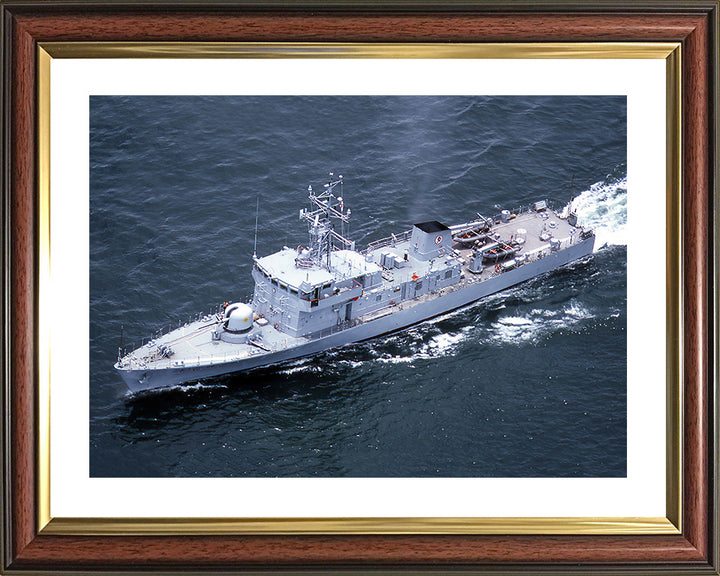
397 319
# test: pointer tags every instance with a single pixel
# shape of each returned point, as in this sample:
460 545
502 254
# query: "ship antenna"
121 343
257 211
342 205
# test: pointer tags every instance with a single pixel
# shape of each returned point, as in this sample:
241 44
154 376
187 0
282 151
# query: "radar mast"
324 209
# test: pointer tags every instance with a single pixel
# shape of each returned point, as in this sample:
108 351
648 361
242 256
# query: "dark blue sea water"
530 382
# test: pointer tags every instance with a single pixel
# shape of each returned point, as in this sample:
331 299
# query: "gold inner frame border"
670 524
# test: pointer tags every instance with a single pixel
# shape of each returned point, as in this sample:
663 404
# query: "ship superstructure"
328 294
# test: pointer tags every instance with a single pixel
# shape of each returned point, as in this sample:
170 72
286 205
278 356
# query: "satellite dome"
239 317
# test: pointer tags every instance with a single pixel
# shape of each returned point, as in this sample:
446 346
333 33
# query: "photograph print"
358 286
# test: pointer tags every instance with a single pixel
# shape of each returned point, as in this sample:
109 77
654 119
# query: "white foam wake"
444 344
538 323
603 208
529 327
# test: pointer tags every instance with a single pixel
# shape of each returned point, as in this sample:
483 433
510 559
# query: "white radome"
240 317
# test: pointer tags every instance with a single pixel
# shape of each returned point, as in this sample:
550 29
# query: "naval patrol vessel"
329 294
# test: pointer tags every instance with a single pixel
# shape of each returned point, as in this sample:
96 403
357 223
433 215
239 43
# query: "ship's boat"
499 251
327 294
476 232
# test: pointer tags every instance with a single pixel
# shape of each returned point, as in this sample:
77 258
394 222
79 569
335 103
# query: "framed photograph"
164 162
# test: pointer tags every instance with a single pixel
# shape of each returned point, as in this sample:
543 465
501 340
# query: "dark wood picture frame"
694 24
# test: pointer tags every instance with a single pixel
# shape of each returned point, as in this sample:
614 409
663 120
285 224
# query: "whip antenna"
257 211
120 349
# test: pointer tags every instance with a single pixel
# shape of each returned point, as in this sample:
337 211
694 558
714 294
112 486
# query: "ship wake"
603 208
517 329
443 344
537 324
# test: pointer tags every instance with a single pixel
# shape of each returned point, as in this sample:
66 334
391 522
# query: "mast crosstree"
325 208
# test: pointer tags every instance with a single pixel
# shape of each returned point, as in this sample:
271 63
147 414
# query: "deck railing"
166 329
389 241
392 240
134 363
540 253
557 207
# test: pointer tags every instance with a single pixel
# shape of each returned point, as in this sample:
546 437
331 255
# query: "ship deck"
193 345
